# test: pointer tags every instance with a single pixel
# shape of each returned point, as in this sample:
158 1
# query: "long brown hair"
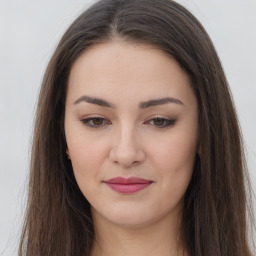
58 220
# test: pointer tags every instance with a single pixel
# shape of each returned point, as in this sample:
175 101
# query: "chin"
131 222
133 218
129 218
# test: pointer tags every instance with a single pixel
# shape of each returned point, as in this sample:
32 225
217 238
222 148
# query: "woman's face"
131 125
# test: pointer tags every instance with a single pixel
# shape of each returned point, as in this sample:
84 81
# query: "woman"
137 148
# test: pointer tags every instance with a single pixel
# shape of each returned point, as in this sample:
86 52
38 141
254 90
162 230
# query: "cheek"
175 152
86 160
173 160
87 155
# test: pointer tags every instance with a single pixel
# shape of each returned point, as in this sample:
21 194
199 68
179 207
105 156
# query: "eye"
160 122
95 122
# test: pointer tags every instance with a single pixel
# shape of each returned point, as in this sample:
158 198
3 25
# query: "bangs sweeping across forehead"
58 220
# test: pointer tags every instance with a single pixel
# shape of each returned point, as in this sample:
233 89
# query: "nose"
127 150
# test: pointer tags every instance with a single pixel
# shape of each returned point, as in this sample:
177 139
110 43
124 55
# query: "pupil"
97 121
159 121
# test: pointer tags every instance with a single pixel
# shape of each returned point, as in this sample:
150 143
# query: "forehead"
127 70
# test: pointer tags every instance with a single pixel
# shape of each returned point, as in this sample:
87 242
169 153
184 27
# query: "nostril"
127 151
126 159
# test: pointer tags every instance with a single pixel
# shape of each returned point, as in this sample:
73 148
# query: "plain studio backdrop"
29 32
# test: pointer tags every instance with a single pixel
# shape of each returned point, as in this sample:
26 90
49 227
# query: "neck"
154 239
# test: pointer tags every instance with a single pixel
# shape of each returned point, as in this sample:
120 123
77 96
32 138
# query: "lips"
127 185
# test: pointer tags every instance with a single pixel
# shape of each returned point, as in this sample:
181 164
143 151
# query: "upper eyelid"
86 121
94 117
169 121
149 119
89 117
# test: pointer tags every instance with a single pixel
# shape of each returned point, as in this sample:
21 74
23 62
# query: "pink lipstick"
127 185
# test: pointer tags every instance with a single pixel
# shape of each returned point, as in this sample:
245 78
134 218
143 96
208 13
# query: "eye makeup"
95 122
156 122
160 122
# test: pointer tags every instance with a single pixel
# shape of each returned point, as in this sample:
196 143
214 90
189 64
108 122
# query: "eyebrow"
145 104
93 100
162 101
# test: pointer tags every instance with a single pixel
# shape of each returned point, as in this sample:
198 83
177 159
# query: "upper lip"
131 180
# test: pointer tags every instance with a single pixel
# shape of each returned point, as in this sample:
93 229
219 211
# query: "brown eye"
95 122
160 122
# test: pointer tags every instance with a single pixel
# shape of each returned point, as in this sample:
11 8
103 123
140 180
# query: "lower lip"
128 188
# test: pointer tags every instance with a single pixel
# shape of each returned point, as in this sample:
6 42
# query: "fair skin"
129 136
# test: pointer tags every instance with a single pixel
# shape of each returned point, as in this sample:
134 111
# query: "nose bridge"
127 149
126 135
126 140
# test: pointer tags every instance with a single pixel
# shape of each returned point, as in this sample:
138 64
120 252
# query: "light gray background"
29 31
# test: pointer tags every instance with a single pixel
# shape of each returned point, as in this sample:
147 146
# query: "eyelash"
166 122
87 120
